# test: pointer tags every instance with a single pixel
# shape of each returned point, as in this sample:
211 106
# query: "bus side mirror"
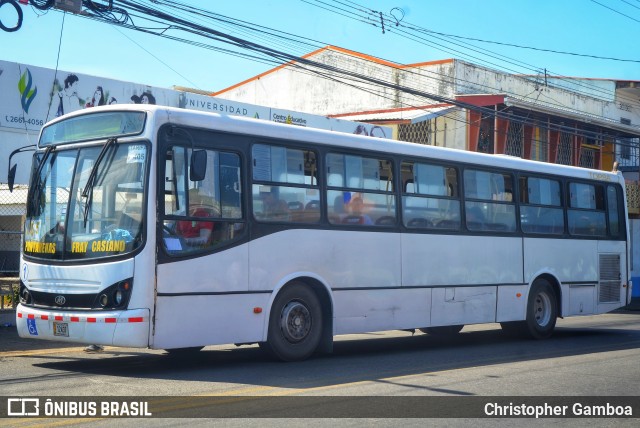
11 177
198 165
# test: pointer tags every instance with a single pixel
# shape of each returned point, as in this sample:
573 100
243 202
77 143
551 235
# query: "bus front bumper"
129 328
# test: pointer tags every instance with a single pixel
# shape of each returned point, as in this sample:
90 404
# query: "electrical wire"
55 75
371 13
280 57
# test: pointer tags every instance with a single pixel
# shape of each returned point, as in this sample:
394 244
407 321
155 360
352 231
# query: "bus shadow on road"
364 358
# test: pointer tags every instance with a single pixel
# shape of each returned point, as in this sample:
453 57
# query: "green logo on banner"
26 91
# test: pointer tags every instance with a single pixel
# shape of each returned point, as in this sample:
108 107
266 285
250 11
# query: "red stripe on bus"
110 320
58 318
136 319
75 319
19 315
44 317
91 320
31 316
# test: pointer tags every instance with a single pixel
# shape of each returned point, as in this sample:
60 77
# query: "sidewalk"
10 341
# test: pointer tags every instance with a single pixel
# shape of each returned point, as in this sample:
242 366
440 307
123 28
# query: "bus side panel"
203 301
225 271
512 303
454 260
571 261
376 310
345 259
463 305
186 321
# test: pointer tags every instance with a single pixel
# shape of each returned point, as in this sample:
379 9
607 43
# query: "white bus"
172 229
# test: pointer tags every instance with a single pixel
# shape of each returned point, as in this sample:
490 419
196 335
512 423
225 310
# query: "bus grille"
609 278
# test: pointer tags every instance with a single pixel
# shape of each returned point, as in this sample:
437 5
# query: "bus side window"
587 210
541 206
204 214
489 195
361 191
614 216
285 184
431 196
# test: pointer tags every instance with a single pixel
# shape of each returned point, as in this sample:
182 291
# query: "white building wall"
302 88
573 95
297 87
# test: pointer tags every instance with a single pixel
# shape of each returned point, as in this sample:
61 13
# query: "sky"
603 28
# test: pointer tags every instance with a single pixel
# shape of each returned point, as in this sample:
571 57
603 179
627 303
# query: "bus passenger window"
586 214
298 200
489 194
201 215
541 206
614 217
431 200
360 191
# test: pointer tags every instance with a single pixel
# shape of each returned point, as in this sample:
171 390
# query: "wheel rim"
295 321
542 309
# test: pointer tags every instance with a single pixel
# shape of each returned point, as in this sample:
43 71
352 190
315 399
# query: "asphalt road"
587 356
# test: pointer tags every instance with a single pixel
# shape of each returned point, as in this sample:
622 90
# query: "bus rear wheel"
542 313
295 324
443 331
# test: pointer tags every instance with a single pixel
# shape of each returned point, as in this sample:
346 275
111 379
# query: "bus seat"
295 206
353 219
448 224
419 222
386 220
312 206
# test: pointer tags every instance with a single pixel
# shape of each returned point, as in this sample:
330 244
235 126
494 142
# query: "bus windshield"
86 203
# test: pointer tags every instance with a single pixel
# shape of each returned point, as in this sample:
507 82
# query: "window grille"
416 132
515 138
587 158
565 154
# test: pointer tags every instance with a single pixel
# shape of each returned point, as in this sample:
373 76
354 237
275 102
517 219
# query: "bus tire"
443 331
542 310
295 324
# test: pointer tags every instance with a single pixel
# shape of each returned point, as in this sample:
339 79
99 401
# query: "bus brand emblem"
60 300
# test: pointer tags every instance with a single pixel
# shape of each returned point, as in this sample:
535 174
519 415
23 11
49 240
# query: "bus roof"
268 129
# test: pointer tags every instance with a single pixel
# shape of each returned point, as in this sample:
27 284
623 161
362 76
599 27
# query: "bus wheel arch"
542 310
300 321
555 285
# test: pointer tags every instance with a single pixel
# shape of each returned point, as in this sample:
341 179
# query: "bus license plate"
61 329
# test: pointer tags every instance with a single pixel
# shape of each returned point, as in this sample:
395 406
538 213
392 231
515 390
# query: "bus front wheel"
295 324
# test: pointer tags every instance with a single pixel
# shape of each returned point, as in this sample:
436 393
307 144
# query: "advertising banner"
31 96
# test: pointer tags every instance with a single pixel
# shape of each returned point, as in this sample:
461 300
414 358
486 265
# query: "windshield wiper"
37 184
87 192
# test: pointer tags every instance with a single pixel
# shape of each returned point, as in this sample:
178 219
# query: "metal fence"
12 209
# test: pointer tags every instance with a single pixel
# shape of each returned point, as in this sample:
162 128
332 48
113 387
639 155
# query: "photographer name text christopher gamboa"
550 410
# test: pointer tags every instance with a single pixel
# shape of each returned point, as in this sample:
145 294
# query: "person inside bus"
275 208
195 232
357 210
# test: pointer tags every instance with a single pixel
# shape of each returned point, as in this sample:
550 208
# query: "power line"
616 11
391 18
281 57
